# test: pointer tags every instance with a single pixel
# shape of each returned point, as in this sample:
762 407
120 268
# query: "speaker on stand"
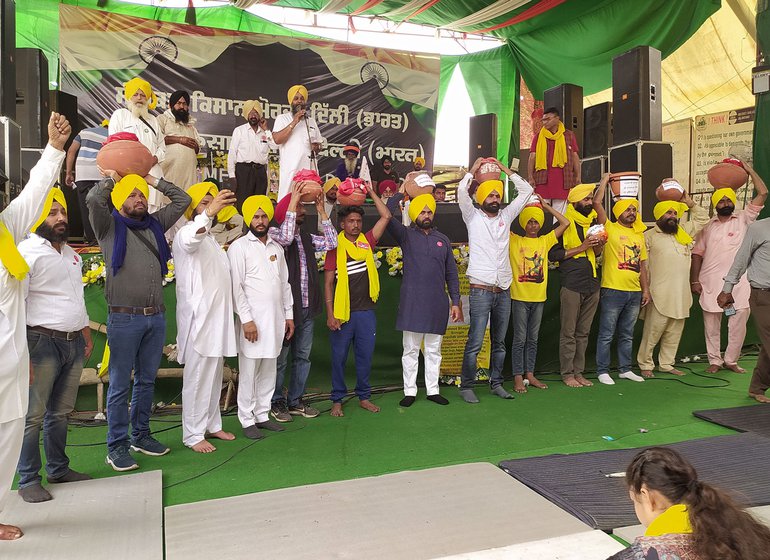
568 100
636 96
482 137
33 106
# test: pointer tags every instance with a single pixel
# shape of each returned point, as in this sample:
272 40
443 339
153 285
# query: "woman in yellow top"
685 518
529 263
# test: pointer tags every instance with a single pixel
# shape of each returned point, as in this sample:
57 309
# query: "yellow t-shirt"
529 262
623 255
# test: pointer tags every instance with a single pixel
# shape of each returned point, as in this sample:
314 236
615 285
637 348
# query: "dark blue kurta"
429 272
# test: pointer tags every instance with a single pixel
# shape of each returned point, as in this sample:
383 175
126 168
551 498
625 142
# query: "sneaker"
631 376
303 409
606 379
121 460
280 411
149 446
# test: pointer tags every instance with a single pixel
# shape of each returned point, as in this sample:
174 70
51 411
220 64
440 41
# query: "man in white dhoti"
298 138
15 221
135 118
263 302
204 314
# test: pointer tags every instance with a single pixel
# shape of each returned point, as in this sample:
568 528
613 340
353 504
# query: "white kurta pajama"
18 217
262 294
295 151
205 325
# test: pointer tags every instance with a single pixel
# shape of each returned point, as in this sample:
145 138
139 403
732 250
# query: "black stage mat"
752 418
578 483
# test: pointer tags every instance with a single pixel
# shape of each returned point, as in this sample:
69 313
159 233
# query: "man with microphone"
298 139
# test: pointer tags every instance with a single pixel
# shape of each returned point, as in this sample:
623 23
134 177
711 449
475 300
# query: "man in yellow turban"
135 118
669 246
554 161
418 163
713 255
298 137
15 222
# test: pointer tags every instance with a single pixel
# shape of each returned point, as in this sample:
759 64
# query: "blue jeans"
619 312
57 364
299 346
526 328
360 331
496 309
136 342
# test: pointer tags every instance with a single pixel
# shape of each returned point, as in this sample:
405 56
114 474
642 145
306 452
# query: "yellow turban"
251 105
579 192
719 194
622 205
530 212
293 91
106 123
54 195
125 187
420 160
420 203
331 183
254 203
135 84
486 188
198 191
680 208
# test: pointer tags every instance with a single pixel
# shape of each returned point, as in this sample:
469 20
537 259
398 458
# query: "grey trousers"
577 315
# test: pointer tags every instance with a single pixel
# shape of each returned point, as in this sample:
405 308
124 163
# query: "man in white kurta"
263 302
15 222
204 315
297 136
182 141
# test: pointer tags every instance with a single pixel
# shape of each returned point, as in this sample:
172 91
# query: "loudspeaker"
654 160
67 105
32 102
636 96
482 137
568 99
592 169
10 160
7 58
597 131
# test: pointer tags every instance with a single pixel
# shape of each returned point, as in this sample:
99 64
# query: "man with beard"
330 201
350 166
204 314
298 139
15 222
489 273
299 248
418 164
576 254
669 249
263 302
247 159
136 256
135 118
59 339
384 172
715 249
182 141
430 272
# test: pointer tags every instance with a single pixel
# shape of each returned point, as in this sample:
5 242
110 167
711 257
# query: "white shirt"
488 237
295 151
261 293
18 217
54 286
248 146
204 297
123 120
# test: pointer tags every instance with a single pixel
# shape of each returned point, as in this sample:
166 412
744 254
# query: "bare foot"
203 447
735 367
337 410
368 405
647 373
10 532
759 397
221 434
713 368
675 371
535 382
518 384
570 381
583 381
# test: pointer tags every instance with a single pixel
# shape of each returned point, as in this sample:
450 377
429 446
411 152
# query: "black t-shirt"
575 274
358 278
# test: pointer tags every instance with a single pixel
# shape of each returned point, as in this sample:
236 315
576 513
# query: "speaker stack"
568 100
597 138
482 137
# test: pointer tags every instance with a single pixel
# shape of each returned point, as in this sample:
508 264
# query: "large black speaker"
636 96
67 105
592 169
482 137
597 131
654 160
568 99
32 102
7 59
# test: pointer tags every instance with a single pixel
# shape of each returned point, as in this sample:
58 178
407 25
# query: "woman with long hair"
687 519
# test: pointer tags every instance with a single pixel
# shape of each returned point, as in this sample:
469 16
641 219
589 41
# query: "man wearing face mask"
182 141
715 249
247 159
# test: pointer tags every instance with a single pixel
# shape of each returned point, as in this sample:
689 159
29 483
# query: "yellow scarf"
571 238
10 256
559 150
359 251
675 520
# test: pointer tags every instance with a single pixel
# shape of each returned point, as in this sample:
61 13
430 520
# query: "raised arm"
699 216
284 235
598 203
759 185
379 228
98 202
524 192
281 136
563 221
463 196
328 240
180 200
395 227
